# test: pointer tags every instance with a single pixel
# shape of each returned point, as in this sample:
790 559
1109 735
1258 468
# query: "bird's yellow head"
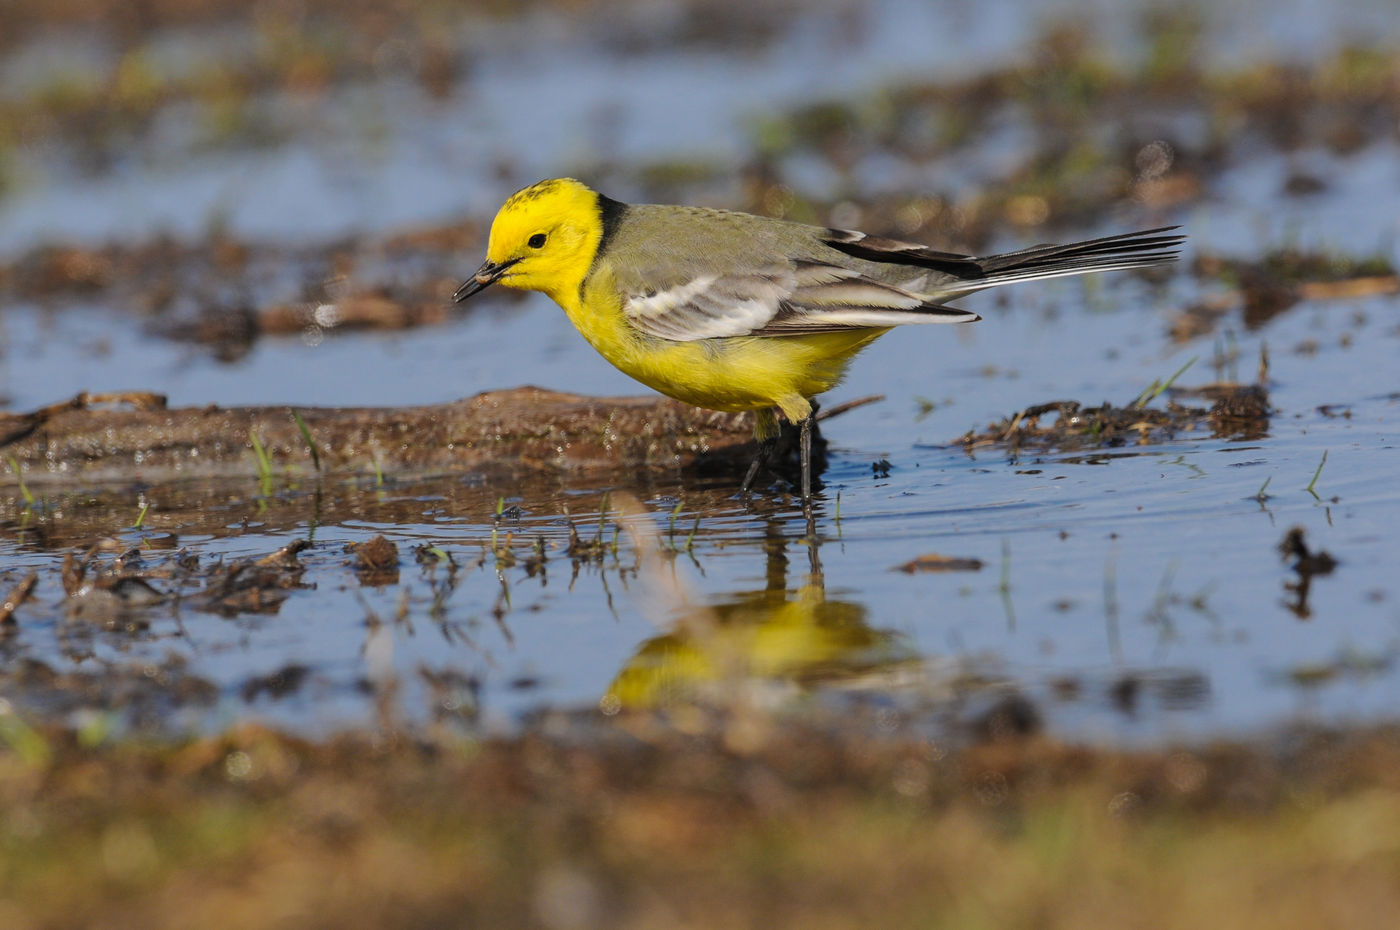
543 239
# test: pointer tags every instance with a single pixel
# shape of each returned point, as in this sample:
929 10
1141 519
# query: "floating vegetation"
1237 410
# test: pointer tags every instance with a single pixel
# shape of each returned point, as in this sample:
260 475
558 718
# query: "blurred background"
218 171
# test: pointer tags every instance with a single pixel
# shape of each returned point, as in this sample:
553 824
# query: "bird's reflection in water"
776 634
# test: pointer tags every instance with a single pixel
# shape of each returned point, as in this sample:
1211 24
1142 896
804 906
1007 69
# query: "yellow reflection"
773 634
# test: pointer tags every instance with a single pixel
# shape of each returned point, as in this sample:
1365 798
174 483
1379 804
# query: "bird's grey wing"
790 298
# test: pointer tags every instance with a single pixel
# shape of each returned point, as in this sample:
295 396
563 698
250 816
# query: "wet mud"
524 429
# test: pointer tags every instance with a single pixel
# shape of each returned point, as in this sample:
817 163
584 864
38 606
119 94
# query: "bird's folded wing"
794 299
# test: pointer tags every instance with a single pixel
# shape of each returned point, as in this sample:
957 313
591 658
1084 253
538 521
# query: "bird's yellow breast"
732 374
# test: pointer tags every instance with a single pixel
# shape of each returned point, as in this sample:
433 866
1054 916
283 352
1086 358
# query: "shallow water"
1133 593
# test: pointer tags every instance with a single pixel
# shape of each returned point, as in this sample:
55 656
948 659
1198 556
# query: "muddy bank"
524 429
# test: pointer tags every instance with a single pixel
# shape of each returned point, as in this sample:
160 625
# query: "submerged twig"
846 407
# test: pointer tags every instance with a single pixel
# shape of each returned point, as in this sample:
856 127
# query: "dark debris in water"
935 562
1237 411
1305 561
113 592
1308 564
376 561
14 598
254 585
286 681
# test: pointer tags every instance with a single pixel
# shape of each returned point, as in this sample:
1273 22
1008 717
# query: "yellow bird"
730 311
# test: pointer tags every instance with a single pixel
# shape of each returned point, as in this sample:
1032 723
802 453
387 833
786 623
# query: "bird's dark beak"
488 274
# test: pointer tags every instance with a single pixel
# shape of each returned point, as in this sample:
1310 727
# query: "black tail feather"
1143 248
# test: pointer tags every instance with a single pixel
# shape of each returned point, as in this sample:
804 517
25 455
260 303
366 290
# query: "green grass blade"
1317 474
23 488
310 443
1155 389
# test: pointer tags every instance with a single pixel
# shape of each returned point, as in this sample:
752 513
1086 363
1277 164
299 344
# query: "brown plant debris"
934 562
255 585
17 596
110 593
376 561
1308 565
286 557
1305 562
1237 410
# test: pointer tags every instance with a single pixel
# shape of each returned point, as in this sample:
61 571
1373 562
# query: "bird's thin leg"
806 451
765 450
766 431
814 559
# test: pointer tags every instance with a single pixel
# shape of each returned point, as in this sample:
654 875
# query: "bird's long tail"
1110 253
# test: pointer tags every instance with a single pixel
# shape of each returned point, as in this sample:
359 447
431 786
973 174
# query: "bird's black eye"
537 241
